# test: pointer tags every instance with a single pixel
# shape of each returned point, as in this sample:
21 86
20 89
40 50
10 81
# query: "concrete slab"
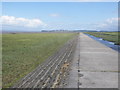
72 79
98 64
99 79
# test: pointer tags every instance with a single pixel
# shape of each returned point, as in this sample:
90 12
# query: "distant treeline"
76 31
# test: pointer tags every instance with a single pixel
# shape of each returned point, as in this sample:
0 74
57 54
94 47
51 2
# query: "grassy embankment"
21 53
109 36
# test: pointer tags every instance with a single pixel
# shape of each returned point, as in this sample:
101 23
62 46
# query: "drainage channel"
107 43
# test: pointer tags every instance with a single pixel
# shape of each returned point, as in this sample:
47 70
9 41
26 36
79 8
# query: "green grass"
109 36
22 53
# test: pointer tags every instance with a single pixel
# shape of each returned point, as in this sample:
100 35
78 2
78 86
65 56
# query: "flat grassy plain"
22 53
109 36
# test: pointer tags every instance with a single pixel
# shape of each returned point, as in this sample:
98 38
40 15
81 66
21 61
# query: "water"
107 43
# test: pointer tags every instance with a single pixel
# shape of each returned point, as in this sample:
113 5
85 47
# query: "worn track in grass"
52 72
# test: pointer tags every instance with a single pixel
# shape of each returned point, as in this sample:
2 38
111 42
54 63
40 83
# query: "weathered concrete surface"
72 79
97 63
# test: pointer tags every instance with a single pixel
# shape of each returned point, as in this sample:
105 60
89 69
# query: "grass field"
109 36
21 53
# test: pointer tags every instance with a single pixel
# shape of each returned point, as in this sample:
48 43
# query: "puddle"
107 43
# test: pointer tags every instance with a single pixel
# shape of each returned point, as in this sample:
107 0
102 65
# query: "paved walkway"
98 65
72 79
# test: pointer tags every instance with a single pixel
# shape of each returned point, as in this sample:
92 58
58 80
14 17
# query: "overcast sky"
36 16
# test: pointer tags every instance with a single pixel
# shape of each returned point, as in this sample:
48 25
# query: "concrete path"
72 79
98 65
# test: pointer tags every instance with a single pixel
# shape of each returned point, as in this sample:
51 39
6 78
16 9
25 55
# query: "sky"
37 16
